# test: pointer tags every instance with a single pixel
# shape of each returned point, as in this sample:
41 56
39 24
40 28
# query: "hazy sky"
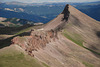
39 1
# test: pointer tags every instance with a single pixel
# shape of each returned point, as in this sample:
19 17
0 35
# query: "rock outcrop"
37 40
66 12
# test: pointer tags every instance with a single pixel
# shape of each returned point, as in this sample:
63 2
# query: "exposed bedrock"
36 41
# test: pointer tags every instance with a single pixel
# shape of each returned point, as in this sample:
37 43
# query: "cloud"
59 1
39 1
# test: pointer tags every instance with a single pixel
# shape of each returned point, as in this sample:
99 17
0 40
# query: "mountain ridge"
74 38
69 40
11 14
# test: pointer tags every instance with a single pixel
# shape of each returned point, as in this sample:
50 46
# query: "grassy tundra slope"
14 56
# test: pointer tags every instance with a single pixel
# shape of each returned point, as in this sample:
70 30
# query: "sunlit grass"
76 38
88 64
17 60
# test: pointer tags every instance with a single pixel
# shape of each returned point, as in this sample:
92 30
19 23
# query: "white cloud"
39 1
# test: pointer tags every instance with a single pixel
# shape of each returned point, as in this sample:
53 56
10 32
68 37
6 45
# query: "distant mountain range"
44 12
14 22
92 10
21 15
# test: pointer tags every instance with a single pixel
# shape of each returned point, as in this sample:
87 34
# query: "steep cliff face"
65 41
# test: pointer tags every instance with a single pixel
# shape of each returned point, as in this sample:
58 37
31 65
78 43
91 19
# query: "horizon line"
49 2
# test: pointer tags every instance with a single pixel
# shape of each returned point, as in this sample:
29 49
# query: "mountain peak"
60 21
